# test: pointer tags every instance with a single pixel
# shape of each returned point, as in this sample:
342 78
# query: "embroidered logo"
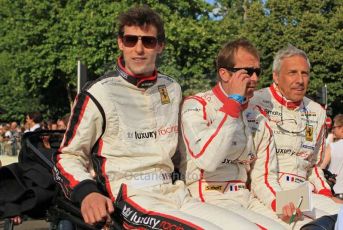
164 94
309 132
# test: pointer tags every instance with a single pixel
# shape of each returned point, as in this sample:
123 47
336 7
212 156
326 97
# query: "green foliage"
314 26
41 41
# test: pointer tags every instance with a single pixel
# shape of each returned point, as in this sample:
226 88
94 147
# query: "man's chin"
297 97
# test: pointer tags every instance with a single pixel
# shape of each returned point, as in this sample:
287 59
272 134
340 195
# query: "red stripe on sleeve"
80 118
320 179
202 102
103 169
208 141
72 181
266 168
200 186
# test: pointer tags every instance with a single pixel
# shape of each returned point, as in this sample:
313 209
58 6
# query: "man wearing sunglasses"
125 125
223 136
298 124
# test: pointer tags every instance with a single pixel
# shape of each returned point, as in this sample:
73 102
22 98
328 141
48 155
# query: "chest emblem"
309 132
164 94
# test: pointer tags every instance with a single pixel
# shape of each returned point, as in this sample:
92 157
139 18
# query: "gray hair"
286 52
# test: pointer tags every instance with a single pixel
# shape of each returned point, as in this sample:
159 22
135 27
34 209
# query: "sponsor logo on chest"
136 219
139 135
145 135
284 151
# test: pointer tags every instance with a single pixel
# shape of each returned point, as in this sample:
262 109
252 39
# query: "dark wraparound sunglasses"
250 70
148 42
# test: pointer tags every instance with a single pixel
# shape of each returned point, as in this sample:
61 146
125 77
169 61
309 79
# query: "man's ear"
160 47
276 78
224 75
120 42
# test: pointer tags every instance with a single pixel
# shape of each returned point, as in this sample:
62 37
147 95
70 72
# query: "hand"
337 200
96 207
16 220
287 212
238 82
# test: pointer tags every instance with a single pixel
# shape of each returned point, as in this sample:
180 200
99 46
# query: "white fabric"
339 221
336 164
140 137
220 140
298 153
33 128
150 179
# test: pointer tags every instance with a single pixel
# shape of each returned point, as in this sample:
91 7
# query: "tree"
41 41
45 39
314 26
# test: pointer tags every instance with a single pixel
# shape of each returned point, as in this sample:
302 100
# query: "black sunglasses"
149 42
250 70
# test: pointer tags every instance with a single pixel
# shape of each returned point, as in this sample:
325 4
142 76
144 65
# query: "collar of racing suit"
139 81
221 95
281 99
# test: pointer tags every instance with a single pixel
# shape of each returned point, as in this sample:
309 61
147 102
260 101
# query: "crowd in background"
11 133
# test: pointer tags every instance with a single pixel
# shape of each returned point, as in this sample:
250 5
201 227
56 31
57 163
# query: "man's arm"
327 157
208 139
316 175
264 173
74 157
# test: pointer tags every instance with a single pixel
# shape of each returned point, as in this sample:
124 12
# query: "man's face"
61 125
293 78
140 60
337 131
14 125
245 59
29 121
54 126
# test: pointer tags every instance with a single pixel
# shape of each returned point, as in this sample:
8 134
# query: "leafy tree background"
41 41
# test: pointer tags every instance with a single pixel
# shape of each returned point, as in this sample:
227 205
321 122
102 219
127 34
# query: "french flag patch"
233 187
290 178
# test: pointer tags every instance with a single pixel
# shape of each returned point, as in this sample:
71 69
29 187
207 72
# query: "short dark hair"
226 55
36 117
142 16
338 120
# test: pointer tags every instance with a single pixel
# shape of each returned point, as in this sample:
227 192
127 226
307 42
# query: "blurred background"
42 41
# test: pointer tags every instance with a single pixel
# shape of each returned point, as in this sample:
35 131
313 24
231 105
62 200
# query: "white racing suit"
220 140
130 134
299 134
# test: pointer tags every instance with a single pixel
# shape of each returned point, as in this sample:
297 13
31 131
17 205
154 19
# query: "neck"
138 80
277 94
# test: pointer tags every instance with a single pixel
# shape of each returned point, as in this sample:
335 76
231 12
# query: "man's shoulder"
260 92
313 106
262 97
166 80
255 112
108 76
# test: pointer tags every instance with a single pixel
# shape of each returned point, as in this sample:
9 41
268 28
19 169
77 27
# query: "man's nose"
139 46
300 78
254 77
